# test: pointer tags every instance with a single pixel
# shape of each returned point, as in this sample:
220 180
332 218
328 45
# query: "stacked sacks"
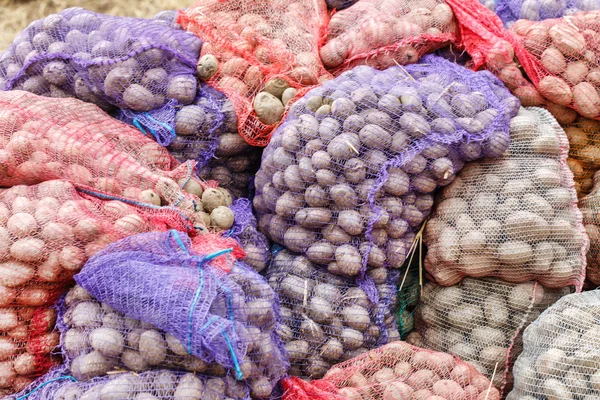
155 301
349 177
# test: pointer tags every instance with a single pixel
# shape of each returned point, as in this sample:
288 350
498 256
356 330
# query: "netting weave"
261 54
584 153
244 230
514 217
349 177
560 352
536 10
590 208
397 371
481 321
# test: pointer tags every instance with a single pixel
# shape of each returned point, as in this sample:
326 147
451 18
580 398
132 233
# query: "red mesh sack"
481 321
393 372
47 232
384 33
43 139
514 217
255 51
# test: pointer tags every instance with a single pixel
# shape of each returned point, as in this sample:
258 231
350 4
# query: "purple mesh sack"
244 230
169 17
326 318
339 4
151 385
224 319
349 177
121 62
510 11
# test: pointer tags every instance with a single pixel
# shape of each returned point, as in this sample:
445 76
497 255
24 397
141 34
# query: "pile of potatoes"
261 53
590 208
98 338
326 319
383 33
584 153
401 371
352 171
514 217
110 61
560 352
152 385
480 321
567 50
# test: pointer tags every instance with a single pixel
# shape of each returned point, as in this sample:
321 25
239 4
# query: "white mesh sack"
481 321
561 352
514 217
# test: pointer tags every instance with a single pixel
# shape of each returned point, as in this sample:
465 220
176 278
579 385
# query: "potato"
107 341
586 100
556 90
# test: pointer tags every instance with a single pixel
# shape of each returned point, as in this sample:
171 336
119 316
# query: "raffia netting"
384 33
43 139
584 153
111 61
47 232
160 280
560 352
537 10
481 321
261 49
393 372
349 177
514 217
150 385
326 319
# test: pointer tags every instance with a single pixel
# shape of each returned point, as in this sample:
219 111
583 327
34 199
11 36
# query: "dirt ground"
15 15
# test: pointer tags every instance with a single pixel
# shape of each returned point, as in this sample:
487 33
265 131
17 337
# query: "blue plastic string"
236 364
137 124
164 125
178 240
194 304
60 378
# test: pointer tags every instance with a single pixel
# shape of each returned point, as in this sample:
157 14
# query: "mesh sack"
169 17
339 4
327 319
396 371
590 208
159 279
47 233
481 322
255 51
514 217
43 139
560 352
244 230
584 153
535 10
384 33
111 61
151 385
350 186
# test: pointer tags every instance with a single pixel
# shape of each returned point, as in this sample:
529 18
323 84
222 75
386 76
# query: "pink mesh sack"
255 51
384 33
393 372
325 318
47 233
151 385
560 352
349 177
514 217
43 139
481 321
111 61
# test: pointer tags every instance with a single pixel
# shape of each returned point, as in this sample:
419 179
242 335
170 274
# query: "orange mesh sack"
397 371
514 217
590 208
47 232
261 54
481 322
384 33
584 152
43 139
560 353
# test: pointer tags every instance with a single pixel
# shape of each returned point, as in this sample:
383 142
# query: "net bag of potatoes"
48 232
584 153
514 217
161 384
114 62
43 139
384 33
560 352
244 230
260 54
191 314
481 321
396 371
590 208
325 318
510 11
349 177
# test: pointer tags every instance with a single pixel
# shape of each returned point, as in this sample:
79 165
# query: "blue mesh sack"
157 283
349 177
